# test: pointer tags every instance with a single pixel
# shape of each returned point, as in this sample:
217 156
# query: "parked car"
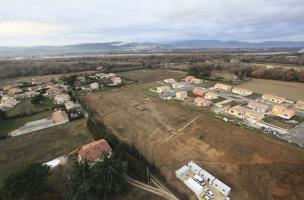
205 197
210 193
199 180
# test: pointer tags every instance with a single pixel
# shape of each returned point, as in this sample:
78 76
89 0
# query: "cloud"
54 22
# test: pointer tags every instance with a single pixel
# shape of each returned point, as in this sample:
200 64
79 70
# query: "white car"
199 180
210 193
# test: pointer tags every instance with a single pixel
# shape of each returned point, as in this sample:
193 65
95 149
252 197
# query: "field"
149 75
289 90
256 166
42 146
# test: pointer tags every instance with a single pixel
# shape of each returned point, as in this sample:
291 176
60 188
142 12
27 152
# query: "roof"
222 86
92 151
239 89
255 104
278 110
59 116
270 96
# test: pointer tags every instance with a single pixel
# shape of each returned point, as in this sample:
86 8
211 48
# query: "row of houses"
185 174
235 90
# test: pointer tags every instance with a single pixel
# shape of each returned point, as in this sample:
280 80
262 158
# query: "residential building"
300 105
177 85
259 107
283 112
162 89
14 91
181 95
6 88
223 188
194 186
196 80
199 92
223 87
52 91
93 151
59 117
7 102
211 96
94 86
70 105
116 80
241 91
182 172
273 98
61 98
170 81
245 113
189 78
199 101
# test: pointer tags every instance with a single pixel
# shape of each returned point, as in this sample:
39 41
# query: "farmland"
42 146
148 75
289 90
170 135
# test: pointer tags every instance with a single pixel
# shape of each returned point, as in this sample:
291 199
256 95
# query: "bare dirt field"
42 146
149 75
170 135
289 90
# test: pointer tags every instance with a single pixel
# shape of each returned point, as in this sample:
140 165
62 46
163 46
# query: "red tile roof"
92 151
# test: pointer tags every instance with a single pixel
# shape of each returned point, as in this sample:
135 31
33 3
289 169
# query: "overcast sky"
58 22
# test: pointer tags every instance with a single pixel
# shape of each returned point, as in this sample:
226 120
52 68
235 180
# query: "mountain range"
116 47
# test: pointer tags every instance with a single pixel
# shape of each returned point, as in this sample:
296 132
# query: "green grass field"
143 88
42 146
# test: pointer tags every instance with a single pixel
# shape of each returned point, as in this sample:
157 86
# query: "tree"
26 182
38 99
96 180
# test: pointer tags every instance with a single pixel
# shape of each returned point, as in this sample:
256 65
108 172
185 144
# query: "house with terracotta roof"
211 96
259 107
243 113
223 87
283 112
199 92
241 91
93 151
199 101
273 98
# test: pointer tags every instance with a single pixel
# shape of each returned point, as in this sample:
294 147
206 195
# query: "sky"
60 22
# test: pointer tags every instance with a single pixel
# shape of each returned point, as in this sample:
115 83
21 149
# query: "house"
181 95
61 98
116 80
59 117
196 80
199 101
162 89
7 102
211 96
178 85
300 105
273 98
70 105
52 91
92 151
241 91
223 188
169 81
14 91
257 106
245 113
283 112
94 86
189 78
194 186
199 92
223 87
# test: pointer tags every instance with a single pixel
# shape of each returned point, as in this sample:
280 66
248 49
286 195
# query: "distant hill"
116 47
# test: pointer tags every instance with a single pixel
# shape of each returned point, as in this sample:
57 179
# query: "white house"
94 86
223 188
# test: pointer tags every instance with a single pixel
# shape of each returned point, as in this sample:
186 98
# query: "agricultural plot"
290 90
42 146
149 75
170 135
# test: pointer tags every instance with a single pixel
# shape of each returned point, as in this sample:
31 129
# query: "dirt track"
255 166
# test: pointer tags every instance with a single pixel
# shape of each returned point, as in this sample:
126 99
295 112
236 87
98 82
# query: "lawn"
9 125
26 107
42 146
143 88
